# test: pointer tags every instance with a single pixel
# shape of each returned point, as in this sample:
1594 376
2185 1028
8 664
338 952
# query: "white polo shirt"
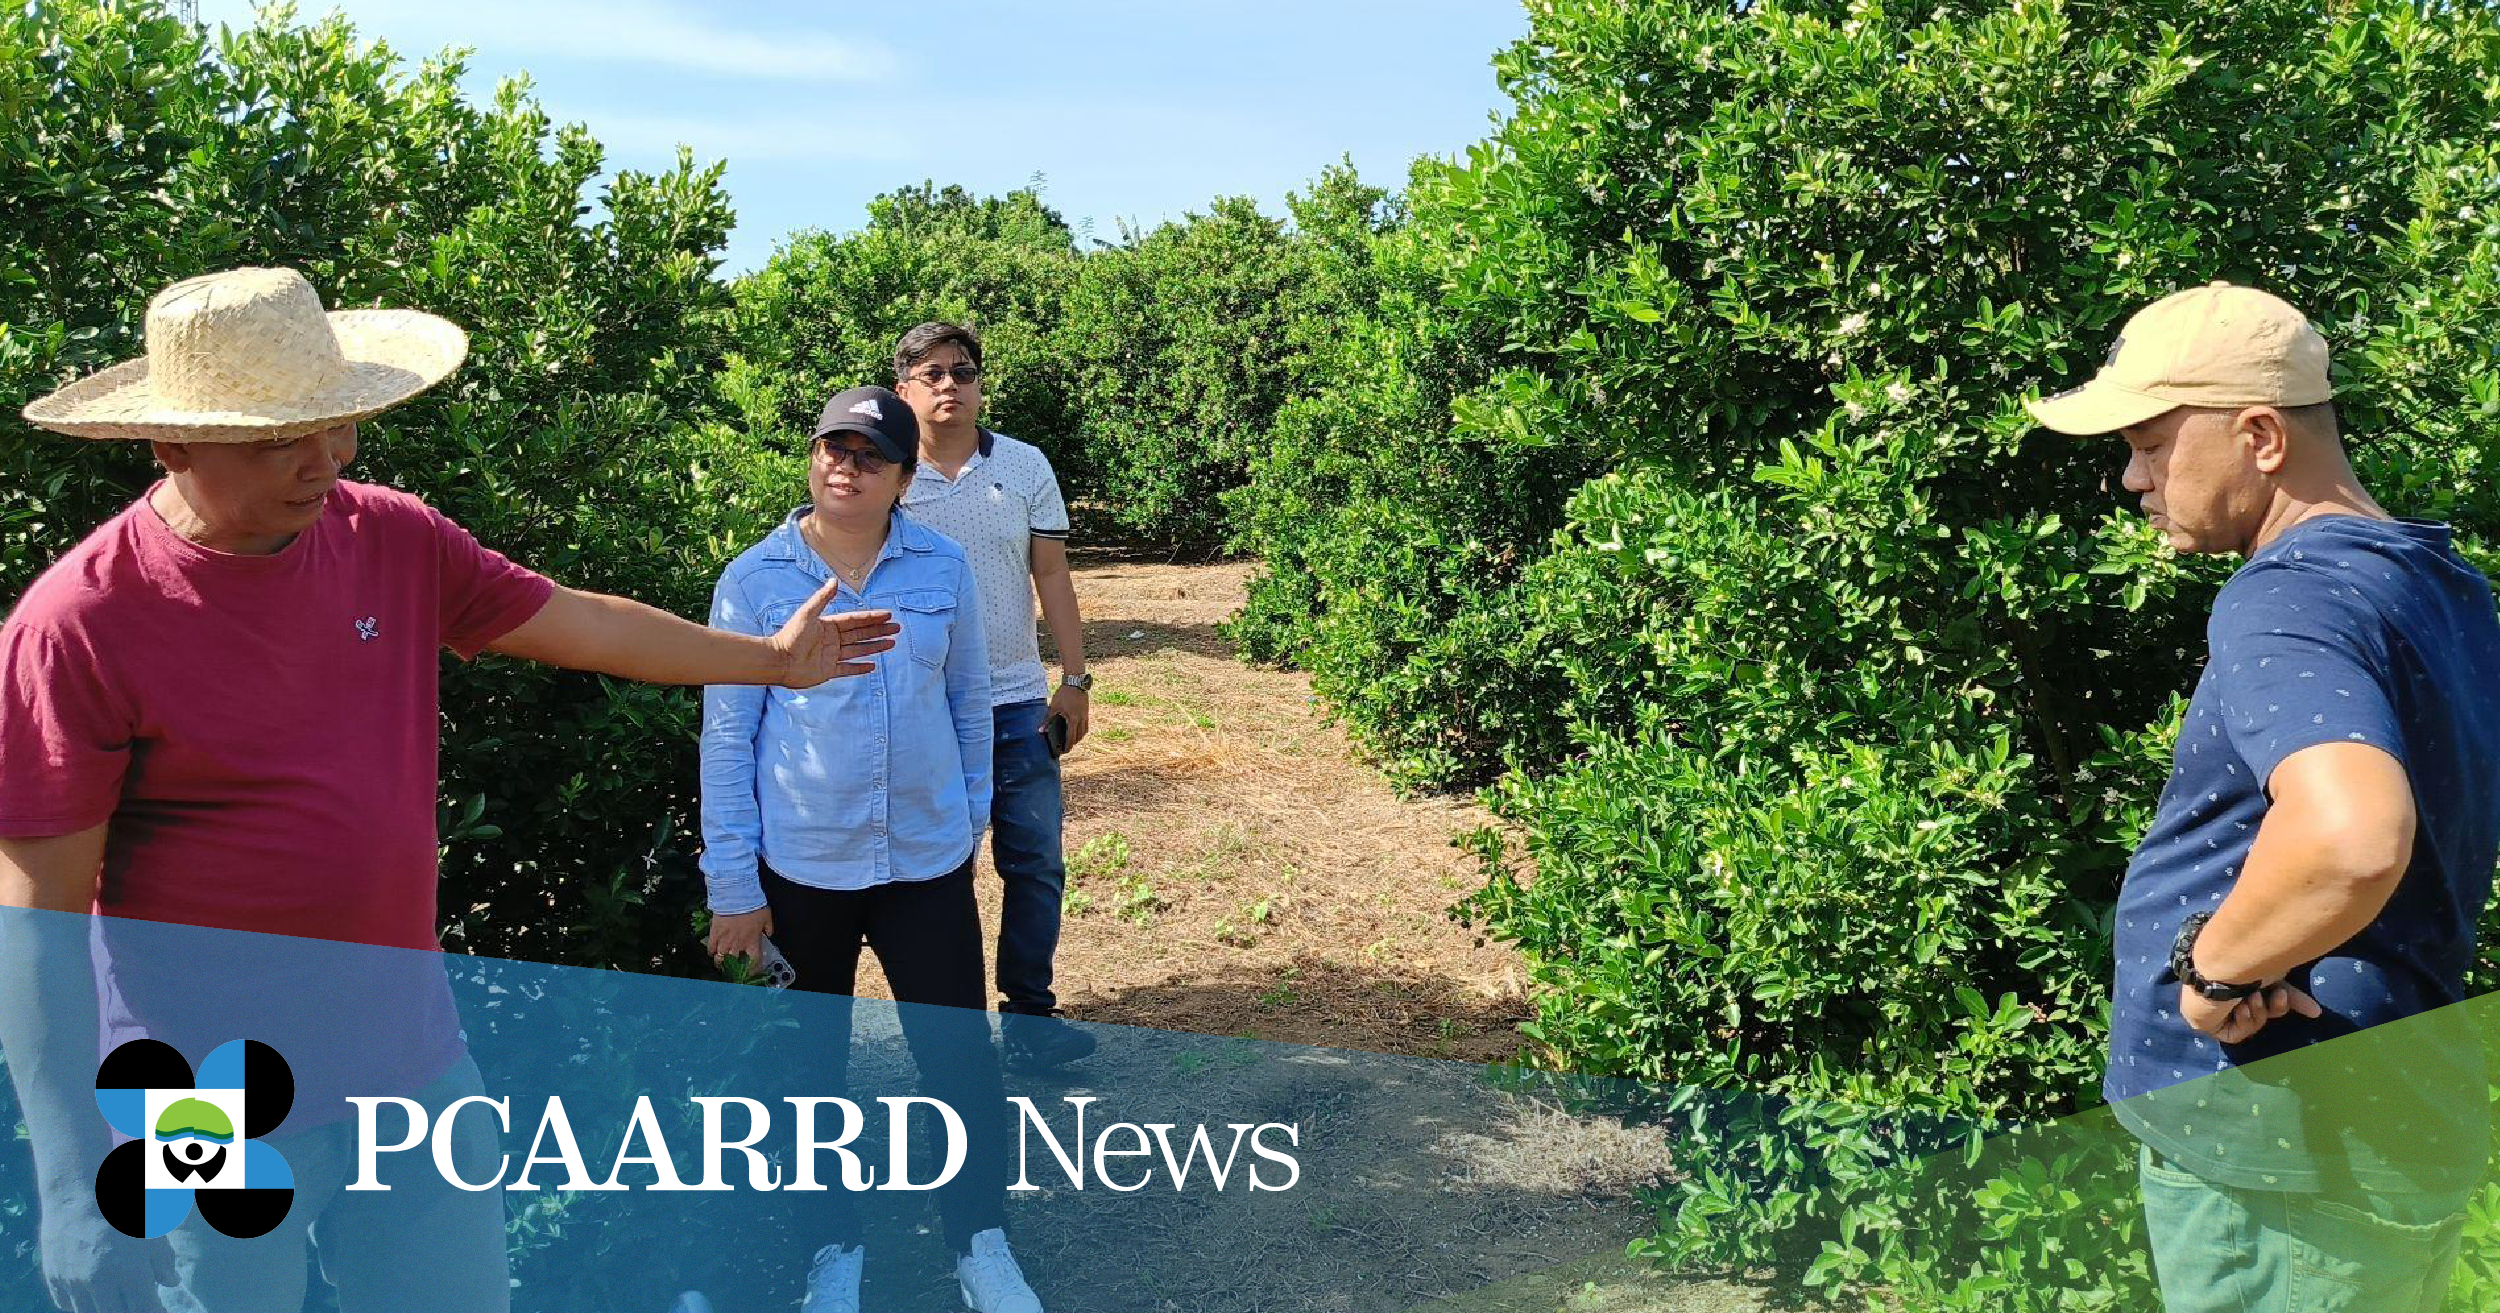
1004 497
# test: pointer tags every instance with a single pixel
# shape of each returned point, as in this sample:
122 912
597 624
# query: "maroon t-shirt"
261 733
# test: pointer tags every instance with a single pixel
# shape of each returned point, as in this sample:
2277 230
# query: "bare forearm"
621 637
48 1034
2302 893
48 1006
1060 616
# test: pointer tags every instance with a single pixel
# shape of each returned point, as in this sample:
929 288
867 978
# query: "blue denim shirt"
862 780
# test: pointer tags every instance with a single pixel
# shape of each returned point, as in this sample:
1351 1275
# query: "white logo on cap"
868 408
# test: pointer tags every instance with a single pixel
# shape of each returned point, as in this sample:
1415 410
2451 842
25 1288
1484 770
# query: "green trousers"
2218 1249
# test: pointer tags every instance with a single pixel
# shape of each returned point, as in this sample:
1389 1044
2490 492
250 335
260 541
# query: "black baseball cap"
878 415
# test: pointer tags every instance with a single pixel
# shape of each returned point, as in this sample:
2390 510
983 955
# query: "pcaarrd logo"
194 1141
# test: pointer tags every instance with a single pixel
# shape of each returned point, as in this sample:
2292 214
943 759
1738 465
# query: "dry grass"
1609 1284
1538 1148
1234 870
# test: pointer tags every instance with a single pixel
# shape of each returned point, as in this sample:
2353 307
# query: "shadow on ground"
1113 635
1312 1000
1417 1180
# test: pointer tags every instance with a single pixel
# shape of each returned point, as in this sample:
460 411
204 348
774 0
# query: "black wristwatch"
2183 964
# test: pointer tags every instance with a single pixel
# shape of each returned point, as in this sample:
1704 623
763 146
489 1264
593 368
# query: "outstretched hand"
815 647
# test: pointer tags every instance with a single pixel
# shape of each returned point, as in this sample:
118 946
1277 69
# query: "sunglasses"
932 375
860 458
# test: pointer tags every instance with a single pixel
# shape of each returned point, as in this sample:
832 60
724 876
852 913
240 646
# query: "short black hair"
922 342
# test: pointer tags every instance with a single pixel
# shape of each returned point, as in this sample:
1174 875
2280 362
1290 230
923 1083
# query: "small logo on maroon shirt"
369 628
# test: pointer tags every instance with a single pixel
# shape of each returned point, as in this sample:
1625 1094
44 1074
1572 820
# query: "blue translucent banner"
636 1137
443 1132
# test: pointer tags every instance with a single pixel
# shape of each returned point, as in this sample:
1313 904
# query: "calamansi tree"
1686 496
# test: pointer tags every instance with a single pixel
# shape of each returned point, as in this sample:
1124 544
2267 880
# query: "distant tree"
1018 218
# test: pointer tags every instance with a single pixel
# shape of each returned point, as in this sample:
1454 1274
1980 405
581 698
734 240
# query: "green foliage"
140 153
1658 464
102 113
1150 370
1186 341
1687 495
2474 1286
825 311
1387 533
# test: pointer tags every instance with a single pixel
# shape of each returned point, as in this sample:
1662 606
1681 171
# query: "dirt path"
1233 870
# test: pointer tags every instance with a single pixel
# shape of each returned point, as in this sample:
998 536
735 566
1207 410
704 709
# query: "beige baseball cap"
2218 345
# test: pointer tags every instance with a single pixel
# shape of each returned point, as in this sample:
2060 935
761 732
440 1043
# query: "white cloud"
650 34
783 137
629 33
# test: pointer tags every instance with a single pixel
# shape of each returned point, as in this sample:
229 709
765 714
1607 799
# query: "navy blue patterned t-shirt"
2342 630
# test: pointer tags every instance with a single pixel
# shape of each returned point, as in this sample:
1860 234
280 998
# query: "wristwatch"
1081 682
2183 964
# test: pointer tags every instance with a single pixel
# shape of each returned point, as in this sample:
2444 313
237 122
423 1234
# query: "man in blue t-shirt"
2324 847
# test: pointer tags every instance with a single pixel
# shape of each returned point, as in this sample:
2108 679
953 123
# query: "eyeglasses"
860 458
932 375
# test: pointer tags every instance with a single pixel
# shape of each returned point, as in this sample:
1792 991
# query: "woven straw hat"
248 355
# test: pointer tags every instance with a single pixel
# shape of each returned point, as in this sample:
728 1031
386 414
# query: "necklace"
854 575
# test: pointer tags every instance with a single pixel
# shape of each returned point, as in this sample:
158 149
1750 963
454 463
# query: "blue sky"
1130 111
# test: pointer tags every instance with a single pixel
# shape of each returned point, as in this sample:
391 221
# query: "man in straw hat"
2326 842
219 710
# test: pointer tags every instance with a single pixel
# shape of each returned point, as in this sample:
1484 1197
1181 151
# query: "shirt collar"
983 448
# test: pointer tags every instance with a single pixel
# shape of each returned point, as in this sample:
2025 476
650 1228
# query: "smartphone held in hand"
777 970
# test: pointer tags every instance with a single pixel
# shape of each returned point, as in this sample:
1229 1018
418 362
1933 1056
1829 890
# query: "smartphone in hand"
765 963
778 972
1055 733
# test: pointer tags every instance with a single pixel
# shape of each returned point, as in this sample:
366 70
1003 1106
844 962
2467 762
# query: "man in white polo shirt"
999 499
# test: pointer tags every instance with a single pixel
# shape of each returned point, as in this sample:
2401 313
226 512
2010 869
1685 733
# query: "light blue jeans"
2217 1249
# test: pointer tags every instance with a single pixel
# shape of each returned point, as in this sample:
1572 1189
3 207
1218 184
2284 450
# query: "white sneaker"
833 1280
990 1279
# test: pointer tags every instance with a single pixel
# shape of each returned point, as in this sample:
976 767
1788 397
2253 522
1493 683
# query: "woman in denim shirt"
848 811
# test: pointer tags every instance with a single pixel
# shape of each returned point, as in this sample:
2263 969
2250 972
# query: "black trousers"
927 936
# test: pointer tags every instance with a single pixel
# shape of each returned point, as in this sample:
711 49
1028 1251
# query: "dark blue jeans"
1025 817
